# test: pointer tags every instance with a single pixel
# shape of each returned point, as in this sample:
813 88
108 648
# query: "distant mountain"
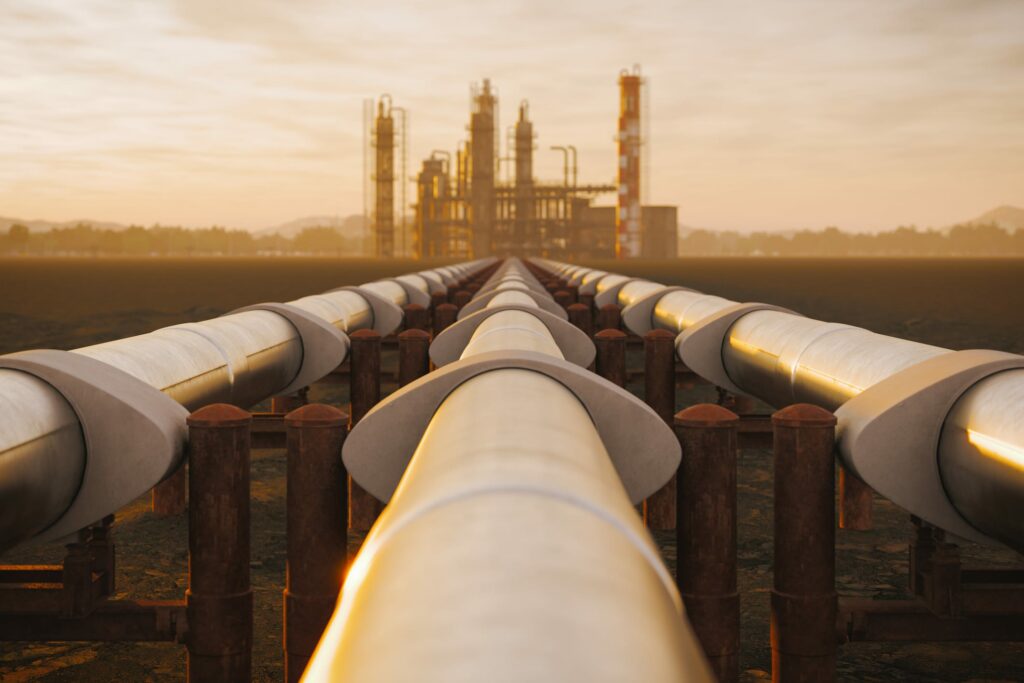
38 225
354 226
1009 218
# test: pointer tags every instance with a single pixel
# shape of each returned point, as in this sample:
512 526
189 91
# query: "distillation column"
482 161
524 239
384 179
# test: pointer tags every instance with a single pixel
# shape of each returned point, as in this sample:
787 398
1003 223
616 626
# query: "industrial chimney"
627 224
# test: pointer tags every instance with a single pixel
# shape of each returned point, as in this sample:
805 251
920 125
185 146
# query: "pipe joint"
380 447
638 317
890 433
324 347
543 302
134 434
700 346
574 344
387 315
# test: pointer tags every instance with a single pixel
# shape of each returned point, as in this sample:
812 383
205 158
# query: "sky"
764 114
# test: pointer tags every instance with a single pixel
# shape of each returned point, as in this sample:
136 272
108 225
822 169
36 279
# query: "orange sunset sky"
766 114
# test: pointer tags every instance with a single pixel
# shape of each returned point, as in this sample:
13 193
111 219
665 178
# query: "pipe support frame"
639 315
134 434
574 344
890 433
700 346
387 315
324 347
379 448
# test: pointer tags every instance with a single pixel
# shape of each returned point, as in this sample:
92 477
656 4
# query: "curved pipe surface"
530 561
240 358
783 358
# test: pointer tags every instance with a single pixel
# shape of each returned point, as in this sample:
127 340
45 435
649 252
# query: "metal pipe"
530 561
784 358
240 358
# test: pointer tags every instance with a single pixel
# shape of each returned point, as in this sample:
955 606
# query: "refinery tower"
466 207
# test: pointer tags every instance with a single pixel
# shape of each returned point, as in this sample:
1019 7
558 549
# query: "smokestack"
627 226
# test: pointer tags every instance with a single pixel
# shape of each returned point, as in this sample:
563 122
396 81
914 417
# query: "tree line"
84 239
960 240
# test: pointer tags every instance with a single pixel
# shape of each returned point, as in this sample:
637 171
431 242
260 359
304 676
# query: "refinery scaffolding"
466 208
386 131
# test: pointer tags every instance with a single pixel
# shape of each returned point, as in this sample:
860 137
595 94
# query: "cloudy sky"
766 114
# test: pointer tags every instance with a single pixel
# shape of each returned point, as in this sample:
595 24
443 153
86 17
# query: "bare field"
955 303
65 303
70 302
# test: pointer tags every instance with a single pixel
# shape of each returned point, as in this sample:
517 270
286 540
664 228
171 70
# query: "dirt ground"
70 303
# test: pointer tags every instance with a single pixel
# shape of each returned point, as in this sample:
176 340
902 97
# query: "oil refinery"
464 208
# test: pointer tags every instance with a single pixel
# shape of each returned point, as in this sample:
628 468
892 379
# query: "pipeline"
939 432
84 432
510 549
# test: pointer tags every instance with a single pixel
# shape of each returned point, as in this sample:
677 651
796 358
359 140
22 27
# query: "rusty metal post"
563 298
170 497
76 578
706 533
610 361
417 317
219 596
804 601
609 317
444 315
101 545
587 300
855 502
364 356
438 298
461 298
317 506
452 291
413 356
579 315
660 395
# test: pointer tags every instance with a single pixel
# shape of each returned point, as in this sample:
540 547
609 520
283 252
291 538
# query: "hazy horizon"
764 115
308 221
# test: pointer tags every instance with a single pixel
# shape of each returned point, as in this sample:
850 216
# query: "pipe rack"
506 481
84 432
939 432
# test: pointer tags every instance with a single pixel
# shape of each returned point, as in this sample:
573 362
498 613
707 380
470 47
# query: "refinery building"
463 207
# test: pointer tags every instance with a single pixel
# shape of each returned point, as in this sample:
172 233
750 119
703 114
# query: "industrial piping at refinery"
86 431
510 449
938 432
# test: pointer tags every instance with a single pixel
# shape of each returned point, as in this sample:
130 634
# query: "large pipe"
240 358
783 358
510 550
